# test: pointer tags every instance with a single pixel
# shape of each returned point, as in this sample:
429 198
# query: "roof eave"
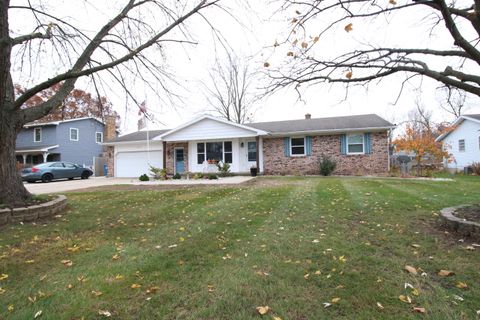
113 143
335 131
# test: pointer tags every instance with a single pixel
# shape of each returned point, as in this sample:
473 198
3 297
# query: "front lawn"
309 248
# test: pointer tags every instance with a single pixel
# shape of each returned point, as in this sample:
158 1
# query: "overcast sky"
252 34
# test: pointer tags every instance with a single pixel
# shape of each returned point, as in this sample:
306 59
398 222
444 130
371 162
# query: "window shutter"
287 146
367 143
343 144
308 147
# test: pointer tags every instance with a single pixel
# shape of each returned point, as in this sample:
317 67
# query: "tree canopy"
452 61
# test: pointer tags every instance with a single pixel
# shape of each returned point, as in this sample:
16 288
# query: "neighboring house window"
200 153
37 135
461 145
73 134
219 151
99 137
252 150
227 152
297 146
355 143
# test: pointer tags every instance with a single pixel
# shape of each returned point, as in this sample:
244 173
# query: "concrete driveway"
69 185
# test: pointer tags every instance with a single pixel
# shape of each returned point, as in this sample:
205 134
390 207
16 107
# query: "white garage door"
134 164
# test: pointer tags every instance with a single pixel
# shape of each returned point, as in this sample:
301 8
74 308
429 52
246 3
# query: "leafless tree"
454 100
129 45
231 91
455 65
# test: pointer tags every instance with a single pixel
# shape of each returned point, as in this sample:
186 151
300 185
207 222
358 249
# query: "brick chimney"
110 131
308 116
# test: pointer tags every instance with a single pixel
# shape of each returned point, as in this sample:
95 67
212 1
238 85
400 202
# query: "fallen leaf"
135 286
461 285
104 313
67 263
419 309
457 297
118 277
10 307
349 27
327 304
2 291
97 293
75 248
29 261
3 276
446 273
414 245
263 310
405 299
37 314
411 269
380 306
115 257
277 318
335 300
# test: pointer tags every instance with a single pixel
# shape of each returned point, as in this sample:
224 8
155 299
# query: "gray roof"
138 136
370 121
474 116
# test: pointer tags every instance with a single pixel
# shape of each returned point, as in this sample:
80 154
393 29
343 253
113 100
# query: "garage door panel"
134 164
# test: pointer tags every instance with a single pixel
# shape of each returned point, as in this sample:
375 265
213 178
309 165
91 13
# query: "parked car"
49 171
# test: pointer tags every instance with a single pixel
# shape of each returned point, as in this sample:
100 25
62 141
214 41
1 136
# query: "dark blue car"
49 171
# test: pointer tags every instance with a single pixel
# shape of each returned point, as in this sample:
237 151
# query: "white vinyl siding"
468 131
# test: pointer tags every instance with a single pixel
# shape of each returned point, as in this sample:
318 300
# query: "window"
252 151
355 143
70 165
98 137
227 152
200 153
73 134
57 165
37 135
218 151
297 146
461 145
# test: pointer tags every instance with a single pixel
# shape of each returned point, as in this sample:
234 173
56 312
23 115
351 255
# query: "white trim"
70 134
328 131
56 123
455 124
363 142
101 140
35 135
304 147
37 150
256 131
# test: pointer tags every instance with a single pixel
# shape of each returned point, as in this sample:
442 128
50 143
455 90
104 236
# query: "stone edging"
33 213
459 225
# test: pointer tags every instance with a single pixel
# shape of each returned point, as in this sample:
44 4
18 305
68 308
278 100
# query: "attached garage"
133 164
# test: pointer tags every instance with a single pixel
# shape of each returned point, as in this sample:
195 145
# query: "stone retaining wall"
461 226
33 213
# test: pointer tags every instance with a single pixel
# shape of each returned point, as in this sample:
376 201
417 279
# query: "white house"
463 142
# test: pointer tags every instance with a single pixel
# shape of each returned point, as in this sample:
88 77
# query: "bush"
224 169
144 177
177 176
158 173
327 165
197 175
212 176
476 168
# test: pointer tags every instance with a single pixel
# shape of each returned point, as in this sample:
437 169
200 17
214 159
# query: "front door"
179 161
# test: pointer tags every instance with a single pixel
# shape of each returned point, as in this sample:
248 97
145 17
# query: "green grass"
251 246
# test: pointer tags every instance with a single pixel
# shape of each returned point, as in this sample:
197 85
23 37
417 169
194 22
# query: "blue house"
75 140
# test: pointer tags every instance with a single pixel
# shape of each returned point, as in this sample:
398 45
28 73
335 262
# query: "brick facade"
276 163
171 155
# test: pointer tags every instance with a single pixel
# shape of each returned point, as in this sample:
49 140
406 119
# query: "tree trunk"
12 190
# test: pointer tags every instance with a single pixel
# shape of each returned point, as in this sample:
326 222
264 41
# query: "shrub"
158 173
144 177
177 176
327 165
224 169
476 168
212 176
197 175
